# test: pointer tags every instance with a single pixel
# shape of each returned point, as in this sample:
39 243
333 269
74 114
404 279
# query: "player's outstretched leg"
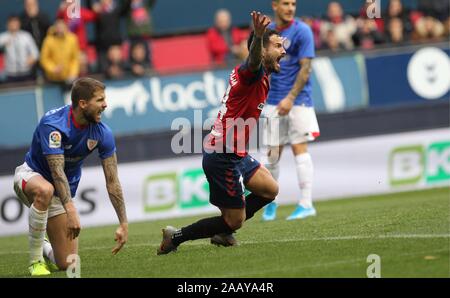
253 204
230 221
264 189
166 243
224 240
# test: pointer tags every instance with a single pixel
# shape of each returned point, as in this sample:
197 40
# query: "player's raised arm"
260 23
116 196
61 184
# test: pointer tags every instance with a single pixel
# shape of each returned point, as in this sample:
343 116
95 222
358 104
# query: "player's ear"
274 5
82 103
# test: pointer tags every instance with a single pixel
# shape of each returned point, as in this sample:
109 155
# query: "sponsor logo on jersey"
54 139
261 106
91 144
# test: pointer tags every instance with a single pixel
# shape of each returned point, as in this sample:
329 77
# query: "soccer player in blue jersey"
290 109
48 179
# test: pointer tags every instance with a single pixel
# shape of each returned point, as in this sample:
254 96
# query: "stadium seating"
169 54
179 53
172 54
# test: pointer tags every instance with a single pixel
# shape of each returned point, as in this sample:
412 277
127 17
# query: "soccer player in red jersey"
227 165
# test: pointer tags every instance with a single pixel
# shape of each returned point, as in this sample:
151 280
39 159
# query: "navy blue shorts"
227 175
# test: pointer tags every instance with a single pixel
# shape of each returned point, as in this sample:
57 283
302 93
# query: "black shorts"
227 175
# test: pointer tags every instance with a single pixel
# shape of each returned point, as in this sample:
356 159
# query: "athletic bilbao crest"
91 144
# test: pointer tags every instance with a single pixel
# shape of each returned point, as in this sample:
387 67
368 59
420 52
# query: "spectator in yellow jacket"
60 54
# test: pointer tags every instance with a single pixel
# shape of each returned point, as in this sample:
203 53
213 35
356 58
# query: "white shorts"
21 176
299 126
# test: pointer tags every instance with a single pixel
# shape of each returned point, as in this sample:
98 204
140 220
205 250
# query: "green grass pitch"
409 231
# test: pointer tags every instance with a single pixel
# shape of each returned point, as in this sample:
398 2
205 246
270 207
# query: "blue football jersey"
58 133
299 44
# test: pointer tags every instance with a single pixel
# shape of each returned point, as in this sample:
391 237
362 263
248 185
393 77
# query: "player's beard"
90 116
272 66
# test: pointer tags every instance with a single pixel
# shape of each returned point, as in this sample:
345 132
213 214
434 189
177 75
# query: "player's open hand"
285 106
73 223
260 23
121 238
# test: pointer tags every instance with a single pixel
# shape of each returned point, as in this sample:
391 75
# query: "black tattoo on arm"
56 165
255 54
114 188
302 77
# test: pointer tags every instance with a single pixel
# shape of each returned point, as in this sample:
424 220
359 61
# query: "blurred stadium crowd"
35 50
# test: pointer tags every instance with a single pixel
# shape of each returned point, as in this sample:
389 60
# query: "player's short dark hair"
266 37
84 88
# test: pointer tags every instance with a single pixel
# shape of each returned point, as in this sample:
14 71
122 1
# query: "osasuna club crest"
91 144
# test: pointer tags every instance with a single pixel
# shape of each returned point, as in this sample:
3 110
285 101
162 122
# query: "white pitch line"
336 238
392 236
325 264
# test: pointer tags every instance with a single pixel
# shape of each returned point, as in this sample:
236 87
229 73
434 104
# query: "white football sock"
37 224
48 251
305 178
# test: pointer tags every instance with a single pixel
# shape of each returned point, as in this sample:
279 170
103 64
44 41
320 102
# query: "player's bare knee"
235 223
62 261
271 191
63 265
274 191
43 195
45 191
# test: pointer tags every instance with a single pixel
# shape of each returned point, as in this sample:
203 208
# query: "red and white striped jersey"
242 104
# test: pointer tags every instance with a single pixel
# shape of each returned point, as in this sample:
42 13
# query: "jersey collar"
75 123
279 29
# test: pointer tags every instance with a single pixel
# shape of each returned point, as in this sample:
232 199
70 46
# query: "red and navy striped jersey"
241 107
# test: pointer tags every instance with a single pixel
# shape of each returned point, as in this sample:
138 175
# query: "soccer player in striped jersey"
226 162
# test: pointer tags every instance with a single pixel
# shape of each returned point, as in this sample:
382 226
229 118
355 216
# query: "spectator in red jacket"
78 27
226 42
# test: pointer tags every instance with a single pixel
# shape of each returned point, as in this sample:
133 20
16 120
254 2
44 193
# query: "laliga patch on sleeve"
54 139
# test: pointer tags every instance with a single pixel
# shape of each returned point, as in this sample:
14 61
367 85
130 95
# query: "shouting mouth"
99 114
278 60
